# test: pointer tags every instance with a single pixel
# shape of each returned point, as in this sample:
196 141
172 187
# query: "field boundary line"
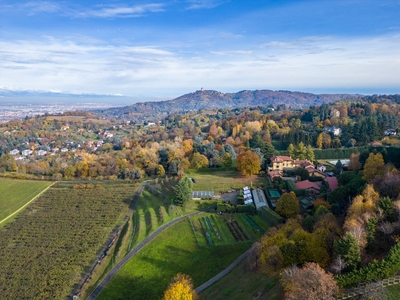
223 273
29 202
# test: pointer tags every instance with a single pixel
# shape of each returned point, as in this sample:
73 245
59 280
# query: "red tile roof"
281 158
332 181
307 184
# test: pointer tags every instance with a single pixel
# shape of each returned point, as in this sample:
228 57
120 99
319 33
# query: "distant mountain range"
209 99
5 92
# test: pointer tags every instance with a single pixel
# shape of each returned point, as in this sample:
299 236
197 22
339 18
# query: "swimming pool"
274 193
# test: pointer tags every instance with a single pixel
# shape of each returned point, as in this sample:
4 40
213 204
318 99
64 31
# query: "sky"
163 49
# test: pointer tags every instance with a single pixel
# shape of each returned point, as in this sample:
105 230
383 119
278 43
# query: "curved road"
133 252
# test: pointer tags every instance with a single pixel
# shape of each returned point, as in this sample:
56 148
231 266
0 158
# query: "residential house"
27 152
281 162
336 131
335 113
375 144
321 168
312 187
332 182
41 153
14 152
316 173
390 132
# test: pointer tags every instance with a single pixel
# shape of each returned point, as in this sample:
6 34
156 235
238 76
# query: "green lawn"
16 193
222 181
148 274
393 292
241 284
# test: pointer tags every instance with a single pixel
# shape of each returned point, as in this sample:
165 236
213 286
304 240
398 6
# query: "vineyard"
44 253
216 230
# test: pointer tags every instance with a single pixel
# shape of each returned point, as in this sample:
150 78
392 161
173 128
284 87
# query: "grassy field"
175 250
221 181
82 119
393 292
241 284
16 193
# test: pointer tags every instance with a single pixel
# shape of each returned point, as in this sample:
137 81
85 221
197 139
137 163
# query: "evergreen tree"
291 151
310 153
387 206
183 191
348 249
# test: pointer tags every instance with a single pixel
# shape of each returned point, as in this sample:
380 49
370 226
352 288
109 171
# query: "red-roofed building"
375 144
332 182
275 173
312 187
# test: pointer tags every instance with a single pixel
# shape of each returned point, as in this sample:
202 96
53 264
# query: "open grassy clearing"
16 193
51 243
221 181
242 284
82 119
175 250
215 230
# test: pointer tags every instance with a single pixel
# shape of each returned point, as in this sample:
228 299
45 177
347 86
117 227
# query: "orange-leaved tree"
248 163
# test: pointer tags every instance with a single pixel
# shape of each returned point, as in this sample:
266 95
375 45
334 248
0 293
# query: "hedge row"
232 209
377 270
270 216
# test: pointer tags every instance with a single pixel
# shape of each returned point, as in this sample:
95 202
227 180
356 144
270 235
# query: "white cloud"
121 11
77 11
232 52
153 70
35 7
205 4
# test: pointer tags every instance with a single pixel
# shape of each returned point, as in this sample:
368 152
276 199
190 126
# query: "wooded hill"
209 99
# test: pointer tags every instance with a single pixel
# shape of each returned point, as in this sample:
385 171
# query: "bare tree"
338 265
386 227
309 283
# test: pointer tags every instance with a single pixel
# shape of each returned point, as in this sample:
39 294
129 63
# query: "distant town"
9 111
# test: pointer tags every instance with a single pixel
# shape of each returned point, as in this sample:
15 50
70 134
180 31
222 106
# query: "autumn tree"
288 205
227 160
309 283
160 170
373 166
248 163
199 161
354 163
181 288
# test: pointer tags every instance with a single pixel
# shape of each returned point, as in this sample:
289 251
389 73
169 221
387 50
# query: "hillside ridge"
211 99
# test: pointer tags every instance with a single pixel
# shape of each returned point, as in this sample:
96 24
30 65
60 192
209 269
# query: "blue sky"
163 49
